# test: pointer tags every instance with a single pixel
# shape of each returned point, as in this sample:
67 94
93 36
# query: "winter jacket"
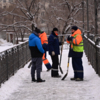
44 41
76 45
35 45
53 44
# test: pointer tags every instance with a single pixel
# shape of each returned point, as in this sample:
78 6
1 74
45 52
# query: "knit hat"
37 30
55 29
74 28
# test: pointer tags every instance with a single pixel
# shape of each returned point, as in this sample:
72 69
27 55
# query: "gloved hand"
53 53
61 43
69 38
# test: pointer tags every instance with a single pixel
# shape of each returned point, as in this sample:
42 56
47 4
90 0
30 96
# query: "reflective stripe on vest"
79 47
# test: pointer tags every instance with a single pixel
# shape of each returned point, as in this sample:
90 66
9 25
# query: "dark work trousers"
55 62
36 66
77 67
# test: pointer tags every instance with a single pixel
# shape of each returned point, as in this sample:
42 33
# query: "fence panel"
92 52
12 59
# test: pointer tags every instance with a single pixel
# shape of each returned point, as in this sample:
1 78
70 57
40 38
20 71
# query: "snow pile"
5 43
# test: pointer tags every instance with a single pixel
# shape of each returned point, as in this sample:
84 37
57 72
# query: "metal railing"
92 52
13 59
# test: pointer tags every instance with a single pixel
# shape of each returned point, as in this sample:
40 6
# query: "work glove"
53 53
69 38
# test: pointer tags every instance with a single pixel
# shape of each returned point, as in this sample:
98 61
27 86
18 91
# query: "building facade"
5 3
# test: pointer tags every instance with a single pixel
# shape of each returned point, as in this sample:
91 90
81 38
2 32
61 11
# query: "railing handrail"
14 46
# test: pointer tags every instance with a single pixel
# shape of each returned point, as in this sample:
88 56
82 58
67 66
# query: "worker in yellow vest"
76 52
44 41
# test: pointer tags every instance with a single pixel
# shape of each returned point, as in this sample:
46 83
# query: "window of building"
42 13
4 0
0 5
10 1
42 21
4 7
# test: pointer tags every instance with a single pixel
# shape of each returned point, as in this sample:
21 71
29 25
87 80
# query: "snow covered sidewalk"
20 87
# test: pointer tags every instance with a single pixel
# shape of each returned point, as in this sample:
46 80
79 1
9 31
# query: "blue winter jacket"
53 44
35 45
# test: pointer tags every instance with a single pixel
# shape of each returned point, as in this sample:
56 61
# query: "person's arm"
39 45
77 40
50 42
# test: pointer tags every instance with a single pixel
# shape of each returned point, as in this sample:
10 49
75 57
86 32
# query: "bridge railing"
92 52
13 59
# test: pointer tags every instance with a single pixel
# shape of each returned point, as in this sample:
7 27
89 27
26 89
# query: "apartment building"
5 3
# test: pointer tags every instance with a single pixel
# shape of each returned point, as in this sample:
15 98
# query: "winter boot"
34 80
40 80
79 79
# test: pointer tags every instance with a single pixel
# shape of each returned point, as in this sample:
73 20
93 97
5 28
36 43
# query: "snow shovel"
67 69
61 57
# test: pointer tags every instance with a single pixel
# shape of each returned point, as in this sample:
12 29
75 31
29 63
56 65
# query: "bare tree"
65 13
62 14
21 15
47 14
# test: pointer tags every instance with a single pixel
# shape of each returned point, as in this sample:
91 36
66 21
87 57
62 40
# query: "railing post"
26 51
96 33
6 53
97 60
13 60
18 55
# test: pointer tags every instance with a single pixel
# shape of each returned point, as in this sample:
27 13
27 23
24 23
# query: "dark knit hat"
42 31
55 29
74 28
37 30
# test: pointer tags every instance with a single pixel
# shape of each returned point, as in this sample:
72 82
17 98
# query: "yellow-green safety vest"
79 47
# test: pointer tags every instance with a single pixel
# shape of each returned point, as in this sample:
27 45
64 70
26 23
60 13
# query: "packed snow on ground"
20 87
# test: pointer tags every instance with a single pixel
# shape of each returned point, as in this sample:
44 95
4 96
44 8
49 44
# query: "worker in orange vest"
76 52
44 42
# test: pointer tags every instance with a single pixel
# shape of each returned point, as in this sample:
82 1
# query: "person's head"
42 31
37 31
74 28
55 30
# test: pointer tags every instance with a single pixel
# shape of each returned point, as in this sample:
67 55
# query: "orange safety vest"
77 40
44 40
43 37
